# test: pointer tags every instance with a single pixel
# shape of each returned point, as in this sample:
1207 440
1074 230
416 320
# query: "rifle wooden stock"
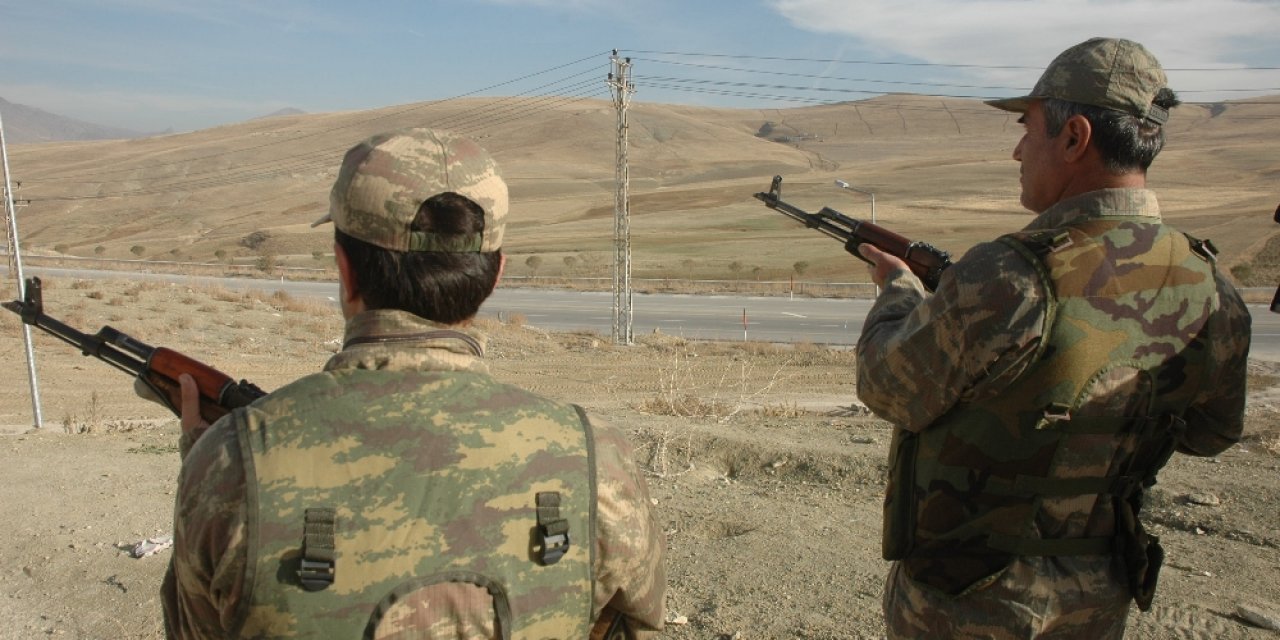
925 260
157 367
611 625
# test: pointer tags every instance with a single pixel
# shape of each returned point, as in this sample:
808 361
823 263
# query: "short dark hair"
1127 142
440 286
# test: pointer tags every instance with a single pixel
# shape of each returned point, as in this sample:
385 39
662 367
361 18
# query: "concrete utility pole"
620 83
15 267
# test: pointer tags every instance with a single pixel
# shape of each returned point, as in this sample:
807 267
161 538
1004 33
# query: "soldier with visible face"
402 492
1038 391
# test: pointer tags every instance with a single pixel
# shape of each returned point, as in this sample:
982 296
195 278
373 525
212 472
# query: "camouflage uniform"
413 393
1007 385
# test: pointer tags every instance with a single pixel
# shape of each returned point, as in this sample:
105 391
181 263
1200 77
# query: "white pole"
15 259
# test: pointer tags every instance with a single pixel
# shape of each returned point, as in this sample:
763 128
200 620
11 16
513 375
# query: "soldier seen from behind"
402 492
1040 389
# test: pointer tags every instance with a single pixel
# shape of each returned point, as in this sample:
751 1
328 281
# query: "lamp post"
848 187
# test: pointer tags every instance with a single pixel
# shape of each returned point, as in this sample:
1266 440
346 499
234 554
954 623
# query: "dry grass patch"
1270 442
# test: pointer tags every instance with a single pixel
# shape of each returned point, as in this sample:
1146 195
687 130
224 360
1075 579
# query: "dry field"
941 171
767 474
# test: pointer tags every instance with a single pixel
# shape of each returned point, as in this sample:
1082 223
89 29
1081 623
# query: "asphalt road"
719 317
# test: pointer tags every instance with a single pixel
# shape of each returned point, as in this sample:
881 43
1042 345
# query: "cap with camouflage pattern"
1111 73
385 179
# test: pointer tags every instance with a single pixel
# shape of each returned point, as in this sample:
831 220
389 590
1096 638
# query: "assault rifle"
925 260
157 367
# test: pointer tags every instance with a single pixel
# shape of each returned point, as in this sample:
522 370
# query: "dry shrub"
92 422
79 284
1270 443
665 452
310 306
515 320
758 348
694 387
782 410
223 294
95 295
684 406
143 286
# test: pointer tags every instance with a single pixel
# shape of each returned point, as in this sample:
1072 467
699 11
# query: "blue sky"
150 65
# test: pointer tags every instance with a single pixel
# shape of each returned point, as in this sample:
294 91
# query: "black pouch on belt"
1139 553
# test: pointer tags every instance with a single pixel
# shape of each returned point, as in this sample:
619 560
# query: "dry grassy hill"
940 168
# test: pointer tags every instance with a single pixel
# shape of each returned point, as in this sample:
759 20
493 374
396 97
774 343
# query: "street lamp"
848 187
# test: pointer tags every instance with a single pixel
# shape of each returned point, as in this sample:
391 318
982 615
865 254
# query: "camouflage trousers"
1035 597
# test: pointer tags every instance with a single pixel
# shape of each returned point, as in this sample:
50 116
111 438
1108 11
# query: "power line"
358 123
900 83
915 64
323 159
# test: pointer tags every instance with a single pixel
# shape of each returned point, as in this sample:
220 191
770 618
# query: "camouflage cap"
385 179
1111 73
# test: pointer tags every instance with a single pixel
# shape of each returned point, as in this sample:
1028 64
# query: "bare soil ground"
767 475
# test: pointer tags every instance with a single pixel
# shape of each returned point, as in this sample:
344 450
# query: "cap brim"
1017 105
328 217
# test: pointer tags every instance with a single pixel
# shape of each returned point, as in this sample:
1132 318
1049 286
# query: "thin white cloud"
1181 33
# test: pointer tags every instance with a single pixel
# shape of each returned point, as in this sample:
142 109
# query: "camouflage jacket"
212 580
996 347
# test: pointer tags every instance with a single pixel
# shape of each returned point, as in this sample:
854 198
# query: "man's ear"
1076 135
349 289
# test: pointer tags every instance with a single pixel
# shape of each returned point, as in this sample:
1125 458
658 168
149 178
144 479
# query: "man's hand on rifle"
192 423
883 264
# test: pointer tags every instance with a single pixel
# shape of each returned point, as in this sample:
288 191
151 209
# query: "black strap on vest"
1203 248
318 554
553 529
1158 437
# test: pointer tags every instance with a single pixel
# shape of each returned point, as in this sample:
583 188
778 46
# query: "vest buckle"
1053 414
553 530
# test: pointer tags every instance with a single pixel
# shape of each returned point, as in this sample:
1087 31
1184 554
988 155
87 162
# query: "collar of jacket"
392 339
1103 203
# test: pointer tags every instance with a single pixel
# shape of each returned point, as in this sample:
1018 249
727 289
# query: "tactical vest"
366 486
1057 463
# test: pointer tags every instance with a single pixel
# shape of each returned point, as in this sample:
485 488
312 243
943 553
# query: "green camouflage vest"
366 485
1051 464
